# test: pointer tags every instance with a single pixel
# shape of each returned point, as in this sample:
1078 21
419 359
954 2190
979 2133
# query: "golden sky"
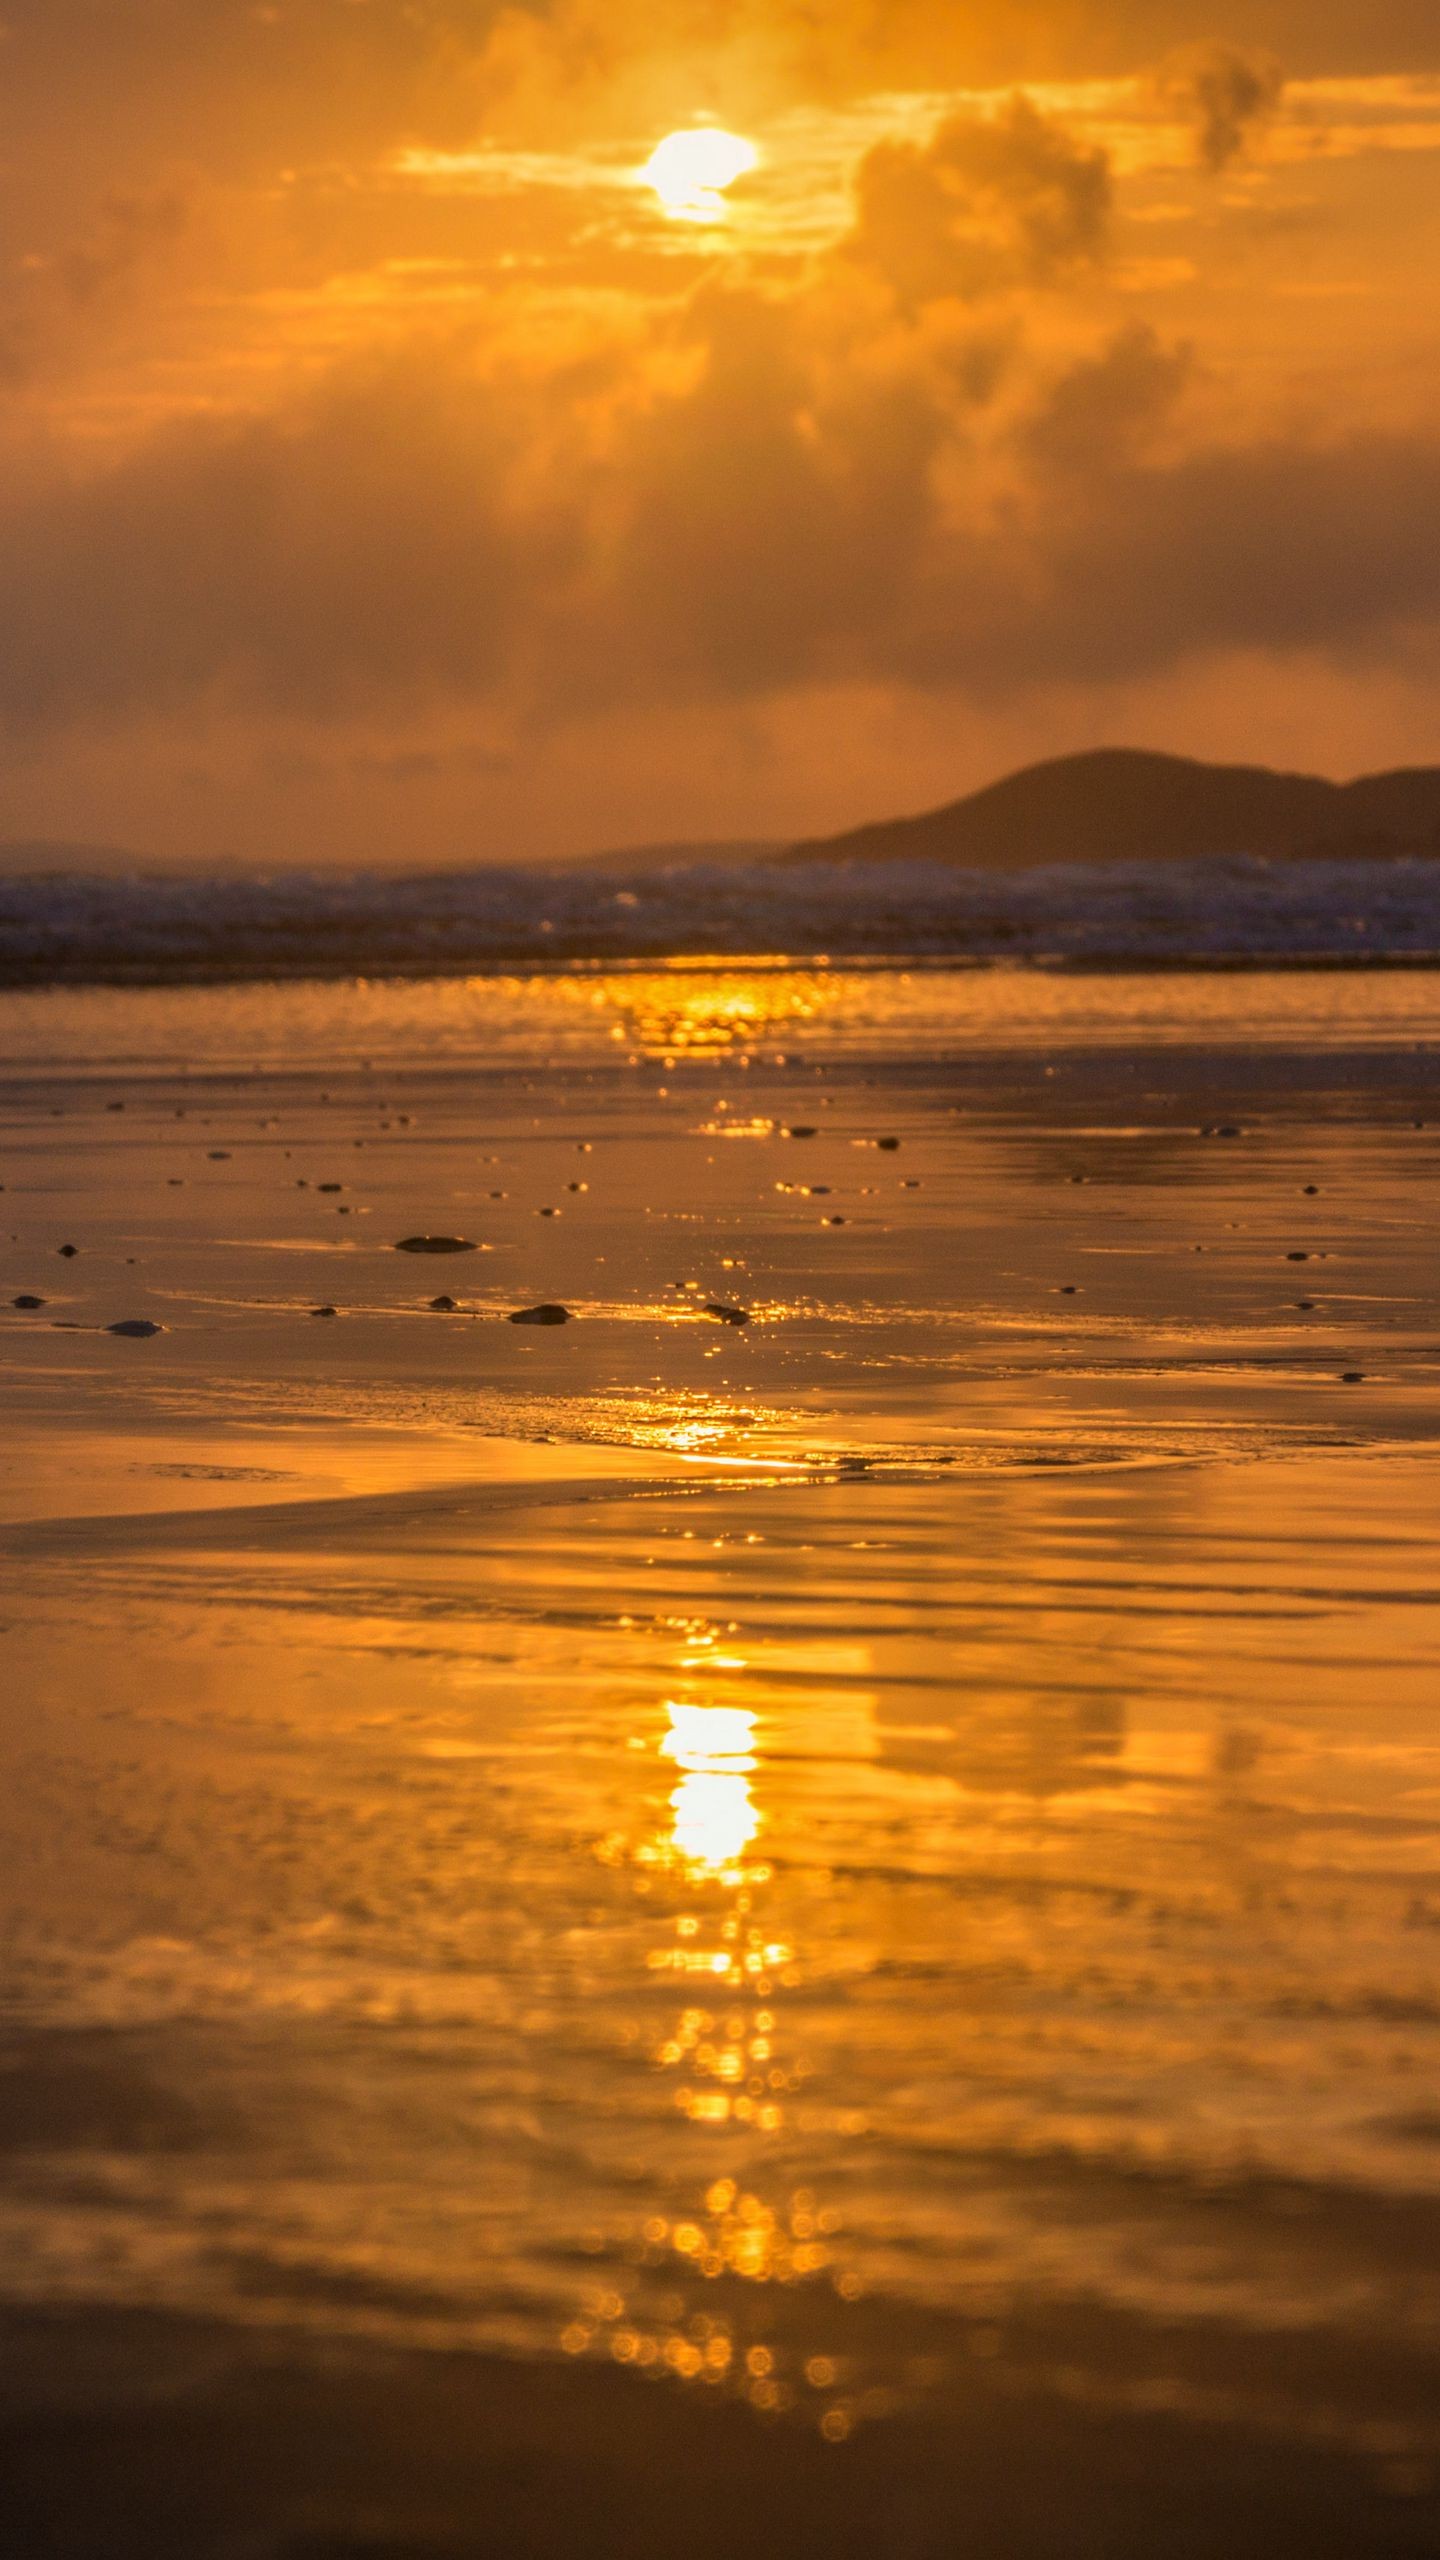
392 473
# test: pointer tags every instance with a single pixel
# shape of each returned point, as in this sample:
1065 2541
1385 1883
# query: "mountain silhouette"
1123 804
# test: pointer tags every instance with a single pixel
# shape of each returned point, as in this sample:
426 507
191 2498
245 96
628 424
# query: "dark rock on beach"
136 1329
727 1315
436 1244
541 1315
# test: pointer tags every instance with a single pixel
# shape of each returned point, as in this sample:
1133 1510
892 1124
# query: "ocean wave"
74 929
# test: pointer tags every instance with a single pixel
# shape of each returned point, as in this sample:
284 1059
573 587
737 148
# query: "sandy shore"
618 1926
138 2440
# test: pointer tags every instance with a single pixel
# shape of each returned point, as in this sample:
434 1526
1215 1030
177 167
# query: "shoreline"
525 960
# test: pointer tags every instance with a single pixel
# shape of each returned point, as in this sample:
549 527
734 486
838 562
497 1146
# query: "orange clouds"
986 203
412 416
1227 93
434 532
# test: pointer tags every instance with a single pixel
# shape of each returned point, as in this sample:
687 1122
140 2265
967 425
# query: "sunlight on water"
674 1015
817 1858
715 1814
701 1011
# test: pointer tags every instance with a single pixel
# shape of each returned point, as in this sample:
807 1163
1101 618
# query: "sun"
690 171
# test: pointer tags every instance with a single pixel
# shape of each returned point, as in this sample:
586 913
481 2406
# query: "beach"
806 1902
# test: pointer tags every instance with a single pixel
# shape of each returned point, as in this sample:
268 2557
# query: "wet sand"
839 1913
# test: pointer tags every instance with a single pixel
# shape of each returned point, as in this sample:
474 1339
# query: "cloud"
1271 547
64 299
764 502
677 55
988 203
131 228
1227 94
362 542
931 457
1103 412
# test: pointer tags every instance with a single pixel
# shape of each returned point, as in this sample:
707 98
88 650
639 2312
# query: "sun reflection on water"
715 1819
715 1815
734 2073
696 1010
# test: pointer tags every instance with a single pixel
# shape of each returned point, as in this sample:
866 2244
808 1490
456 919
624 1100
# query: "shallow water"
812 1859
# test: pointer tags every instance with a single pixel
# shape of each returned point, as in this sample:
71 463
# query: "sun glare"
690 171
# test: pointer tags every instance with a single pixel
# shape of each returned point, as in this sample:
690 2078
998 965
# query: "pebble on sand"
727 1315
136 1329
68 1252
888 1146
436 1244
541 1315
324 1311
28 1301
445 1306
801 1132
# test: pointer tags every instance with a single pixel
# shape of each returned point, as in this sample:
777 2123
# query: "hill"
1122 804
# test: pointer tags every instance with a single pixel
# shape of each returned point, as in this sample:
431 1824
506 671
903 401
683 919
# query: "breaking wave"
145 929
